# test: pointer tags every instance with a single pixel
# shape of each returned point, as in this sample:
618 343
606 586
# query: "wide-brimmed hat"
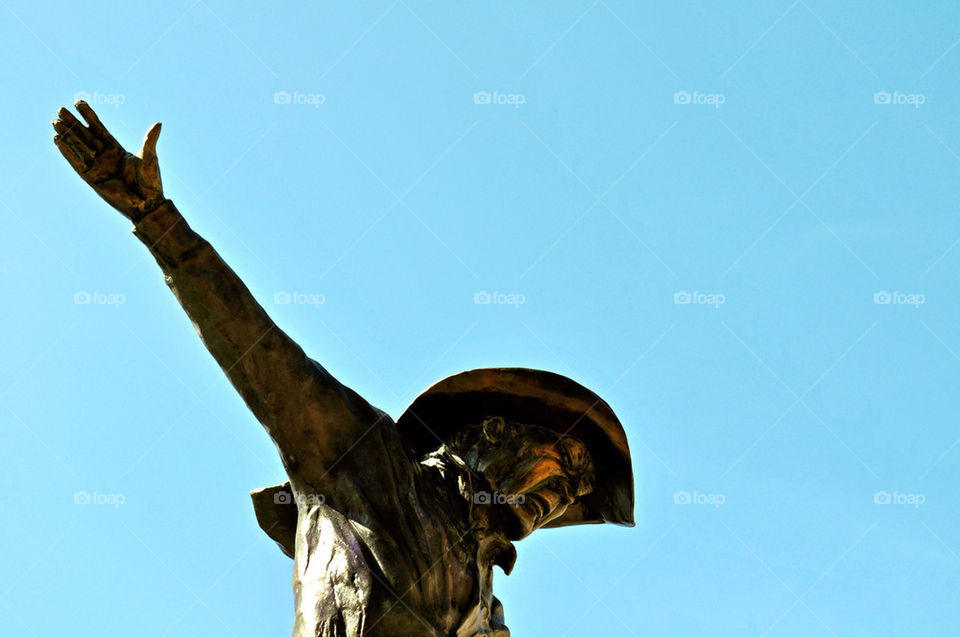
518 395
539 398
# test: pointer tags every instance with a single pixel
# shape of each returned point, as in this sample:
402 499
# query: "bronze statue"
394 527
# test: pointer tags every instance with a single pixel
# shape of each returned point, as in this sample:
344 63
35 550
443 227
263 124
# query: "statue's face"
537 476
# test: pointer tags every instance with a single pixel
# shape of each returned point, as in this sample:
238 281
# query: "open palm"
130 183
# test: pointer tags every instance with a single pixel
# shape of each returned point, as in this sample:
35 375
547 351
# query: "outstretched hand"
130 183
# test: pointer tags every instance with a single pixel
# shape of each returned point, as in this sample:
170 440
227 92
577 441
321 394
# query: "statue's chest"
352 579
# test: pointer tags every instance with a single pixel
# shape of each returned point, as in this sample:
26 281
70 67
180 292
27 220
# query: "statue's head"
544 450
527 475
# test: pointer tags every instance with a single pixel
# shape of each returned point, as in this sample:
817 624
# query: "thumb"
150 168
148 153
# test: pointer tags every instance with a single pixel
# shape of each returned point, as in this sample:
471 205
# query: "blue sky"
735 222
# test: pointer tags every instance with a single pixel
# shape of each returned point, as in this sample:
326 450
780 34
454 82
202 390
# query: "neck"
463 485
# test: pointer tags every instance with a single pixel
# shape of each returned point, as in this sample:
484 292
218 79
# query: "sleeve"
313 418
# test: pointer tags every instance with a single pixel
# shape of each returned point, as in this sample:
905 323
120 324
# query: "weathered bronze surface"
394 527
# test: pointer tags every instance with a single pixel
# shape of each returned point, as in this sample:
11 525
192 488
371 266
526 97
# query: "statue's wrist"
138 212
166 233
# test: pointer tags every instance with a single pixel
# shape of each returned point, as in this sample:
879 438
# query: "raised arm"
312 417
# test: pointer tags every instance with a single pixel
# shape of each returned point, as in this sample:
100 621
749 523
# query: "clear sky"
737 222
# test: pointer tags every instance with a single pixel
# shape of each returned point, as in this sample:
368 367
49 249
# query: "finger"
70 136
70 139
75 161
96 126
77 128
